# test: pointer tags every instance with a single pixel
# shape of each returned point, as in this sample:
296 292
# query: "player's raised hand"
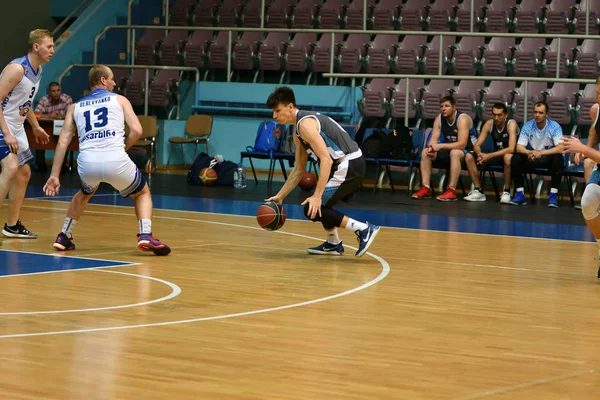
52 185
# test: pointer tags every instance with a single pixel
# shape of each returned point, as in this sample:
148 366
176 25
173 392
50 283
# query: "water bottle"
239 177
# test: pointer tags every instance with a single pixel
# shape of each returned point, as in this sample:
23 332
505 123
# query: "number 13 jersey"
100 122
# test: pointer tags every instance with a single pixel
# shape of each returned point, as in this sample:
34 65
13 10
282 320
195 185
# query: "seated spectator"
456 129
504 133
539 146
55 104
52 106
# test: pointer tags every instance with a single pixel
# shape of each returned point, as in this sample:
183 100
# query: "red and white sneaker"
423 193
448 195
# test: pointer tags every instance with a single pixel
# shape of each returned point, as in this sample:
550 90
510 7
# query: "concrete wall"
15 31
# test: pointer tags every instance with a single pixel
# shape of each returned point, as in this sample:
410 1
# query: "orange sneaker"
448 195
423 193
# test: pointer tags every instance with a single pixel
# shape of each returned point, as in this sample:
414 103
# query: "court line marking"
527 384
385 270
306 221
53 198
175 291
172 247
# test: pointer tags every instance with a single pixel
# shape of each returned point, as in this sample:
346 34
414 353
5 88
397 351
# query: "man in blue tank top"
341 171
19 82
503 132
450 141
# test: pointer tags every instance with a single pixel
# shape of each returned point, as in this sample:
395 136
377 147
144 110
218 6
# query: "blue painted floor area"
384 218
17 263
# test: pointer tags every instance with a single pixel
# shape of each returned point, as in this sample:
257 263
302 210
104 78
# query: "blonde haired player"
19 83
99 119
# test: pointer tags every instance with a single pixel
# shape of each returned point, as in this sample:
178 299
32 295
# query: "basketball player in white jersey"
99 119
19 83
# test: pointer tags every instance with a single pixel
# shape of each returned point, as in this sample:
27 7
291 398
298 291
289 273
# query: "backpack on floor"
202 161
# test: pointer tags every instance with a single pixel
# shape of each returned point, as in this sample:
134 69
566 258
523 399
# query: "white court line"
527 385
384 272
175 291
172 248
53 198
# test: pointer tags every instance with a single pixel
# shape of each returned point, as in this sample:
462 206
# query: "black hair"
448 98
501 106
282 95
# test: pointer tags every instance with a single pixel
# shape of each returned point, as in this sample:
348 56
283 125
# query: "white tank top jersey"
100 122
17 103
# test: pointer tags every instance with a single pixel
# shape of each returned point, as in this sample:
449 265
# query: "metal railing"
132 29
408 77
147 79
365 7
67 18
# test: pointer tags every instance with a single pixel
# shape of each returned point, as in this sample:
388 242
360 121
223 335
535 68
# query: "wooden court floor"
236 312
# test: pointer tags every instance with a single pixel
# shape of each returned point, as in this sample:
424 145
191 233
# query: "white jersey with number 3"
100 122
18 102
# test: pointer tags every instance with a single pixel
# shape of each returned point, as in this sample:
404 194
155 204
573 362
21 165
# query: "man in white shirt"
539 146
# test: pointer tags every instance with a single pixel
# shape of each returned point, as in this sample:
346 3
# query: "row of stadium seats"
163 87
528 16
306 52
387 98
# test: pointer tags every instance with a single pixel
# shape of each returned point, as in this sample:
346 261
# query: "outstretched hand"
52 185
572 145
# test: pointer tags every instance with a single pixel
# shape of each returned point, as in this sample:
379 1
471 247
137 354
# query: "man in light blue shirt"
539 146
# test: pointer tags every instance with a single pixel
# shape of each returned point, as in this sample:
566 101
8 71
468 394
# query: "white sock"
553 190
68 227
332 237
145 226
355 225
520 189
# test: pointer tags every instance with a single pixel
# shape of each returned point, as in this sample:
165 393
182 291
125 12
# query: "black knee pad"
315 219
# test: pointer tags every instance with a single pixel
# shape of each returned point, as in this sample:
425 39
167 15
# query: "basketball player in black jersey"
504 133
341 171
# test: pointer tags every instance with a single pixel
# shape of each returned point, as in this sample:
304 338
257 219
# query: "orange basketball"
270 216
308 181
208 176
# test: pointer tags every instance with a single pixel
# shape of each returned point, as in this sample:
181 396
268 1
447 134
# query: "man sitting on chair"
504 136
456 128
544 137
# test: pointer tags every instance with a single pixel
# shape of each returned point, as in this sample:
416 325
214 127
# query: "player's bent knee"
507 158
588 163
455 153
590 201
315 219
